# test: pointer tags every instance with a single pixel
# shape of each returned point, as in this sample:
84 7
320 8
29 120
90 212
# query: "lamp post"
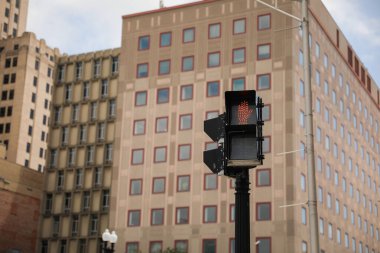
111 238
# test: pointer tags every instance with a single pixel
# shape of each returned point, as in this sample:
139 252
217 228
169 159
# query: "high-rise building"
13 16
26 67
176 64
78 176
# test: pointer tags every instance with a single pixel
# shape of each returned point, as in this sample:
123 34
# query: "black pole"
242 220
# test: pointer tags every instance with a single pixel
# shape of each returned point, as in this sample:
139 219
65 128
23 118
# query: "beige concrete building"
176 63
78 176
13 16
26 67
20 194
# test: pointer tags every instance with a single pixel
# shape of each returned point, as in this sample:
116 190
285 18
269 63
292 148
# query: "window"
213 89
209 246
98 177
135 187
264 246
139 127
209 214
263 211
213 59
144 42
210 181
162 95
96 70
238 84
181 246
104 88
78 70
187 92
266 115
160 154
157 217
141 98
132 247
232 213
182 215
263 52
184 152
304 247
263 177
329 231
321 226
266 144
164 67
108 153
133 218
115 65
239 26
86 200
187 63
238 55
165 39
155 247
303 183
189 35
214 31
162 125
158 185
111 108
264 22
137 156
302 88
183 183
142 70
263 81
185 122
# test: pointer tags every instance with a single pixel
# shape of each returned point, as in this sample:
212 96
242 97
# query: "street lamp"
111 238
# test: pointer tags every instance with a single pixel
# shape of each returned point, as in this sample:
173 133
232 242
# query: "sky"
88 25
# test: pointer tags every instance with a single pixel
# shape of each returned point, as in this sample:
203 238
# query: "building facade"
13 16
175 65
20 193
78 177
26 67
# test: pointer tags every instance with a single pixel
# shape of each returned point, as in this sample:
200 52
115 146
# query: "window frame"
130 186
134 127
178 184
170 41
205 187
215 207
139 43
138 67
179 151
220 31
129 220
146 97
182 89
151 216
132 155
180 126
208 59
234 28
258 21
270 52
262 75
167 124
182 63
159 67
207 89
244 58
238 78
257 177
257 211
176 215
183 35
157 96
155 154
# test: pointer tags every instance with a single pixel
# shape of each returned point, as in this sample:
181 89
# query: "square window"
263 82
142 70
155 247
182 215
164 67
163 95
189 35
187 92
213 89
263 211
140 98
187 63
183 183
239 26
137 156
184 152
210 181
144 42
213 59
135 187
185 122
209 246
212 114
238 55
263 52
139 127
181 246
133 218
157 218
158 185
165 39
209 214
238 84
160 154
214 31
263 177
132 247
263 22
162 125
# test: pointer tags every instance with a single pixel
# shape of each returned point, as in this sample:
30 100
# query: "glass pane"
264 52
165 39
213 89
264 22
239 55
263 82
187 64
163 96
213 59
238 84
214 31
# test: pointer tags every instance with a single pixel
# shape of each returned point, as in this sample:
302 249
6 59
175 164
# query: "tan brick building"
13 15
78 176
26 66
175 65
20 194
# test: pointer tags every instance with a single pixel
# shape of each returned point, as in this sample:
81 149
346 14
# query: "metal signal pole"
311 179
